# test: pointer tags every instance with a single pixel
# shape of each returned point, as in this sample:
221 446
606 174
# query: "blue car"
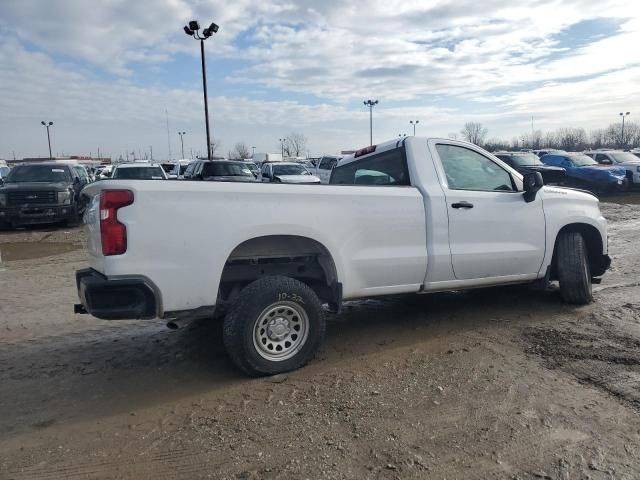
584 172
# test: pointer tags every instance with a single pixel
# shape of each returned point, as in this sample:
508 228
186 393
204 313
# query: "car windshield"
139 173
226 169
39 173
621 157
289 170
526 160
252 166
167 167
581 160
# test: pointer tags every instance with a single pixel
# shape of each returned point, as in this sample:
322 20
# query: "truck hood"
35 186
568 193
297 178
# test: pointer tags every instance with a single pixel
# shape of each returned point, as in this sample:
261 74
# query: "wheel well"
593 240
298 257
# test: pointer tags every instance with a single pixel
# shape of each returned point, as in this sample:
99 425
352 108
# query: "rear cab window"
388 168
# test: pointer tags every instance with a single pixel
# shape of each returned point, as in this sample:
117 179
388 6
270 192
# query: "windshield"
622 157
39 173
139 173
183 167
81 172
581 160
526 160
167 167
226 170
289 170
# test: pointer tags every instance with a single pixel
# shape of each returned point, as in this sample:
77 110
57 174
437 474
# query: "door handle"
462 205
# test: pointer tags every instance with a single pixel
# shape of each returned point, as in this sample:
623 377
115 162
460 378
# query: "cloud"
84 64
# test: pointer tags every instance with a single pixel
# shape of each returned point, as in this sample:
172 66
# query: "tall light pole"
622 133
47 125
253 152
282 146
414 123
370 103
182 142
192 31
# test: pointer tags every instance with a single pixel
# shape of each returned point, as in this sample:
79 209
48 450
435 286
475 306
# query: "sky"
111 73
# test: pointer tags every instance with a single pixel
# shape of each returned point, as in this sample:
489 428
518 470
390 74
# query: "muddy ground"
499 383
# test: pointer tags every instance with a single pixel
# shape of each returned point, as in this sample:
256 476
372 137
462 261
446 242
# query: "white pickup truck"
415 215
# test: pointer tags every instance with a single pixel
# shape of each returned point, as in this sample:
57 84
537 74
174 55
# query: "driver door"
493 232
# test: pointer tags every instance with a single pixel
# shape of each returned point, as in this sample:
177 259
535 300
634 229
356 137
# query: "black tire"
263 303
573 269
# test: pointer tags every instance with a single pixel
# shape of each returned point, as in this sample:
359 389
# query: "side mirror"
532 183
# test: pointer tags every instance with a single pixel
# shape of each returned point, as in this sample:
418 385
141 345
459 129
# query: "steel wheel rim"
280 331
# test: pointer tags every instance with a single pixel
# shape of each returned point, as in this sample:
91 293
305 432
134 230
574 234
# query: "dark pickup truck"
41 193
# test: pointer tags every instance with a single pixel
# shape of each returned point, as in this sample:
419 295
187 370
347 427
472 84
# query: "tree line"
571 139
293 145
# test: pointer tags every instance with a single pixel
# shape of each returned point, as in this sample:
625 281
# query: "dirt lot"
500 383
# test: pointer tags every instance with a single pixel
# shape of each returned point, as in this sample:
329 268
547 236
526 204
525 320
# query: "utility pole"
151 151
414 123
253 152
370 103
622 143
282 147
49 124
182 142
192 31
168 136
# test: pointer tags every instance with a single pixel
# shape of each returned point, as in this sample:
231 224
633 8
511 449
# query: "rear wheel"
275 325
573 269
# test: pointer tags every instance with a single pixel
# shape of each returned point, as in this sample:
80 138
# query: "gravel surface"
497 383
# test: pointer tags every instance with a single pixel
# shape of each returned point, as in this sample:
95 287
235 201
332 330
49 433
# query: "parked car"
449 217
584 172
525 162
138 171
324 168
219 171
4 171
286 172
83 174
255 170
179 167
626 160
546 151
106 172
41 193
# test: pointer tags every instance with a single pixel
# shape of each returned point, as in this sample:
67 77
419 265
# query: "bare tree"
495 144
572 139
474 132
241 151
295 144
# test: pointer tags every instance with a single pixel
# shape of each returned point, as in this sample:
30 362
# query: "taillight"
112 232
364 151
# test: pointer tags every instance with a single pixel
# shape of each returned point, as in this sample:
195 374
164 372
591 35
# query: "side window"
466 169
324 163
387 168
506 159
600 157
332 164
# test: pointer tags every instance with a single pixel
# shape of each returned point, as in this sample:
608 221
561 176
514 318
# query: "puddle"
12 251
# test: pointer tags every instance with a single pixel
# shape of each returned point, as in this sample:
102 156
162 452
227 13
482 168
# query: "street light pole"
622 133
47 125
370 103
182 142
253 152
192 31
414 123
282 147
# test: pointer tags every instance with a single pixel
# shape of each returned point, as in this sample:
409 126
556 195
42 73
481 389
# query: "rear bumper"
116 299
37 214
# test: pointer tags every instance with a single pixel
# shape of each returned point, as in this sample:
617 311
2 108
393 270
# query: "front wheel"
573 269
275 325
